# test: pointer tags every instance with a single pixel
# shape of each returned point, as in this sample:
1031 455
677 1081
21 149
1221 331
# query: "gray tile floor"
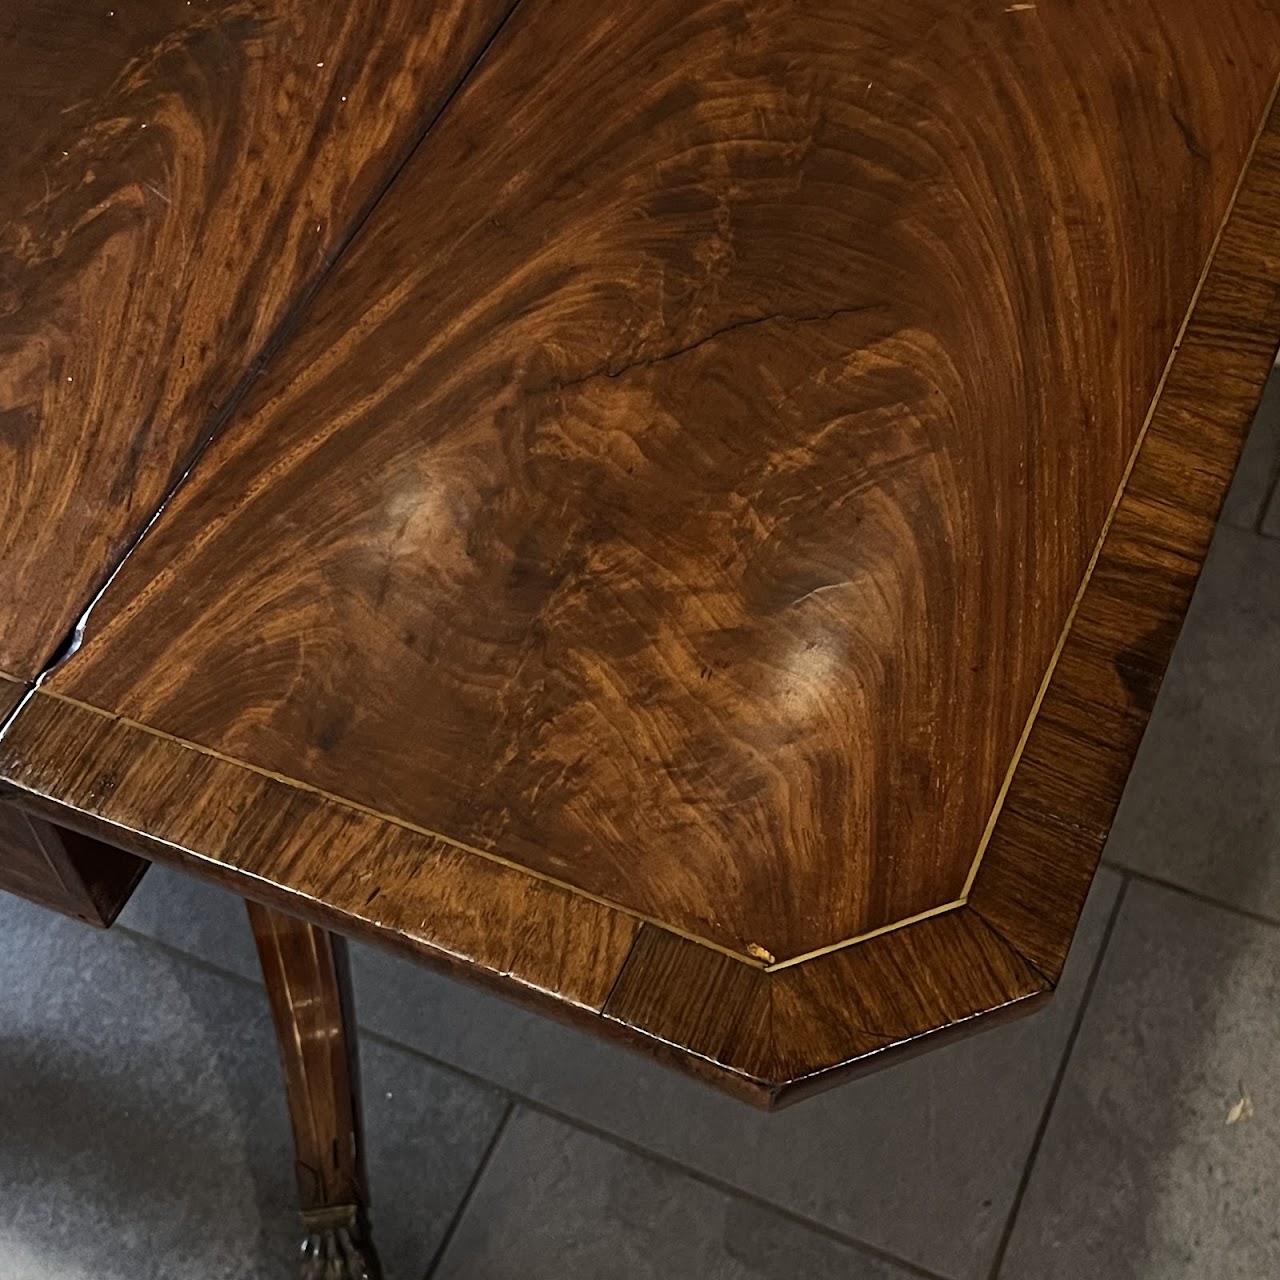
143 1133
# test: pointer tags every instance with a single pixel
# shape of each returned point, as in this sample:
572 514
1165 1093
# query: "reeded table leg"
308 985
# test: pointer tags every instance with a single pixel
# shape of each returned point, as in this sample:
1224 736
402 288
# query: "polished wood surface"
260 835
65 871
689 508
775 1037
1061 801
176 176
309 988
11 692
667 549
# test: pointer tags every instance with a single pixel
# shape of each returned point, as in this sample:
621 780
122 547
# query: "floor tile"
1202 807
143 1130
1255 478
921 1160
559 1204
194 916
1141 1176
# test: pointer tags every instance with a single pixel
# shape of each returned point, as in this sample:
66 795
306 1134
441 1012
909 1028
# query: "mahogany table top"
678 510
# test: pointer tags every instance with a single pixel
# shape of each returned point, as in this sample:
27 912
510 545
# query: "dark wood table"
675 511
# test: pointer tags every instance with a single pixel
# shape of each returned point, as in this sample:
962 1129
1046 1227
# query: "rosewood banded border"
1047 841
255 834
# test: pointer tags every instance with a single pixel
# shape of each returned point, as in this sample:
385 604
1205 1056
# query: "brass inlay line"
988 831
1119 496
863 937
405 823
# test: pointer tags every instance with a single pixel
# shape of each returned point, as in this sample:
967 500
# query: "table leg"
305 969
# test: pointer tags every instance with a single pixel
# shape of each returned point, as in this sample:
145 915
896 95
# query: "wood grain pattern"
267 604
308 985
175 177
302 853
771 1038
689 508
1045 846
11 692
65 871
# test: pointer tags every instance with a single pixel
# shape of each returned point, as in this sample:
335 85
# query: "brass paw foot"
338 1247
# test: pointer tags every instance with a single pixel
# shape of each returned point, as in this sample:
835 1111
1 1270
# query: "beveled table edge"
766 1033
1061 799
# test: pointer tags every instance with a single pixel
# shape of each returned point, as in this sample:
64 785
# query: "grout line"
811 1225
515 1098
532 1104
1006 1236
1171 886
460 1212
